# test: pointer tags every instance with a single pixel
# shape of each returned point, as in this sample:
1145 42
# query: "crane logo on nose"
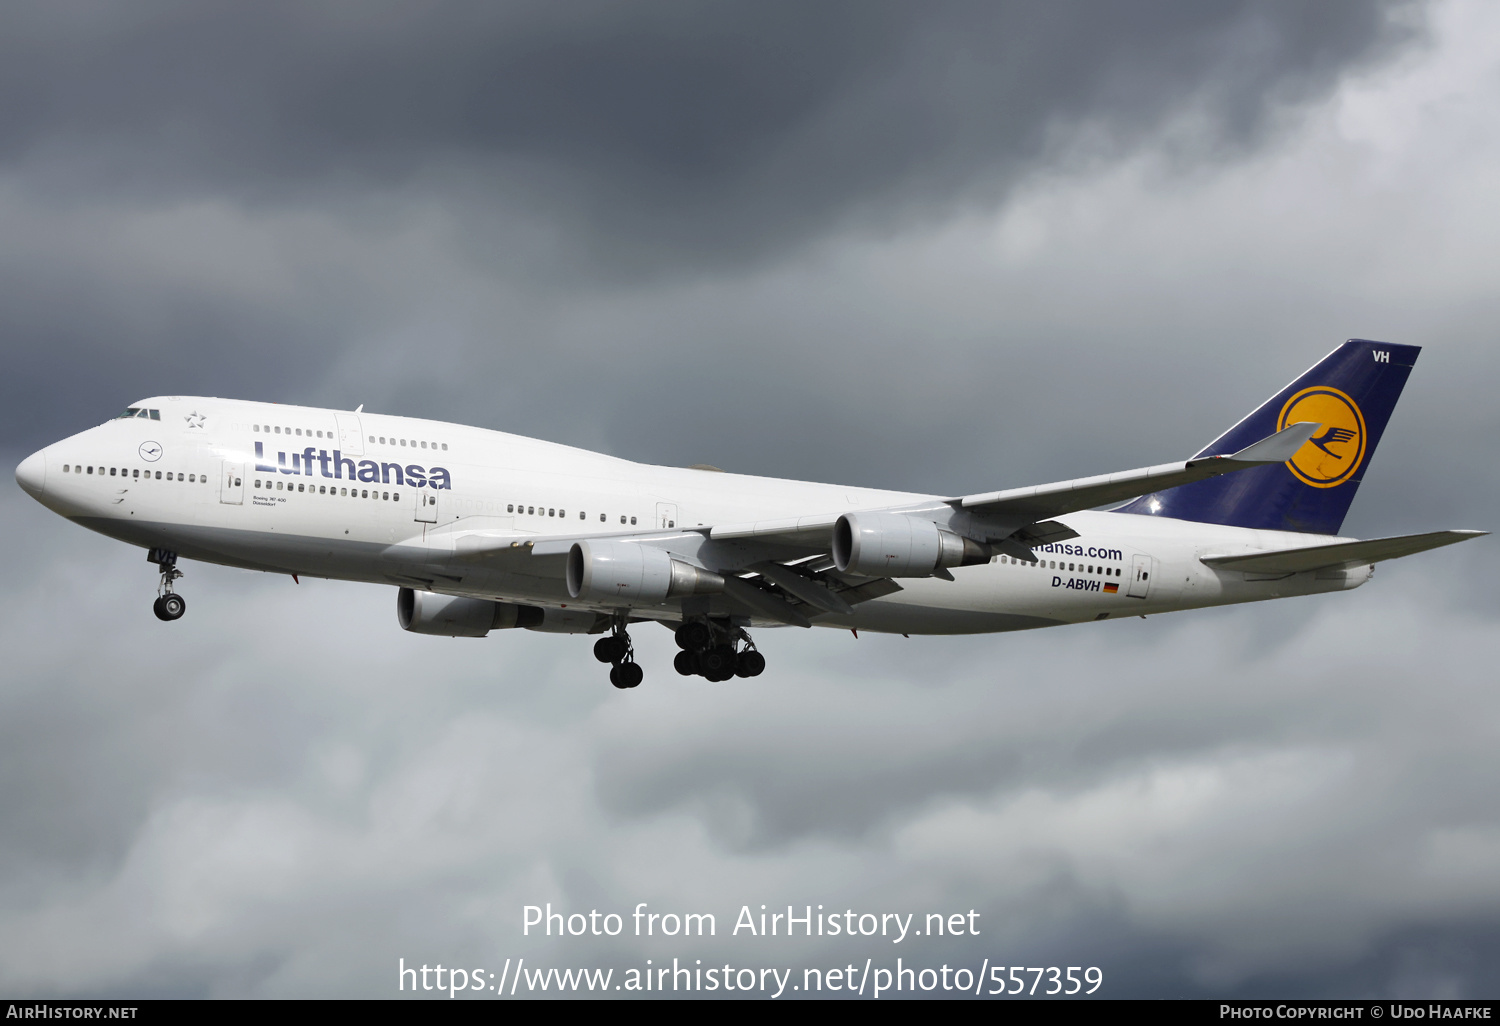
150 451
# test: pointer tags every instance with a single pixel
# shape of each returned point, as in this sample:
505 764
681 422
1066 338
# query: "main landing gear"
716 651
168 605
617 649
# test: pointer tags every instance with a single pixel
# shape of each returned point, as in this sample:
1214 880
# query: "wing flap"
1340 555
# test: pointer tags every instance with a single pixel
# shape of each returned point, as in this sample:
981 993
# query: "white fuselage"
396 500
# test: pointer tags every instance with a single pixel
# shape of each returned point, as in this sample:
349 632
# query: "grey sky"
947 247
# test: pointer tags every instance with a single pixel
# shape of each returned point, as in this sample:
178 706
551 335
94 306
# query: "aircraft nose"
32 474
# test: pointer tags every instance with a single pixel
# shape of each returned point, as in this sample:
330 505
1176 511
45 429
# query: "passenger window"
255 428
632 521
601 518
622 520
395 496
552 512
111 471
372 438
511 508
581 515
445 446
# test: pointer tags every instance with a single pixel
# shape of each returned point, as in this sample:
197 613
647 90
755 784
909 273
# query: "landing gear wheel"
611 649
686 663
693 636
630 675
170 606
616 678
751 664
718 662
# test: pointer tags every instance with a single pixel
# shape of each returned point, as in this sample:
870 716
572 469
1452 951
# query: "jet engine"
632 574
424 612
894 545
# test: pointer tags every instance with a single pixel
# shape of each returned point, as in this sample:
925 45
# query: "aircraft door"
427 505
351 436
1140 577
666 515
232 483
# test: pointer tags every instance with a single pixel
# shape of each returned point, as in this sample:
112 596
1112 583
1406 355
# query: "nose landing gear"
716 651
168 605
618 650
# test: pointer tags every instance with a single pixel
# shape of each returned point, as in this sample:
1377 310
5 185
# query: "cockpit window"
132 412
140 411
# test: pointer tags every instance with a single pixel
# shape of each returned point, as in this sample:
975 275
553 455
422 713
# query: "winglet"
1277 448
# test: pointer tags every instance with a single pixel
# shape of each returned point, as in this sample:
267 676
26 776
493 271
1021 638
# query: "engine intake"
626 573
894 545
450 616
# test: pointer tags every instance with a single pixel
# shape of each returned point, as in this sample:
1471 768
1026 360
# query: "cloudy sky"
938 246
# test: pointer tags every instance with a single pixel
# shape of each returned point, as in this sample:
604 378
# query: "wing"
1042 501
781 569
1339 555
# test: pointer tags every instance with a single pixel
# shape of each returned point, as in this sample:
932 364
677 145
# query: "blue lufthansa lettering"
367 470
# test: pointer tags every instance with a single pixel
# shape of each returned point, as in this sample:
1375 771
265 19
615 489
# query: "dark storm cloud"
160 161
666 131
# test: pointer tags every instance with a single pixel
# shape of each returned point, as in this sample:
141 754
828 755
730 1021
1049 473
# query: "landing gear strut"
617 648
716 651
168 605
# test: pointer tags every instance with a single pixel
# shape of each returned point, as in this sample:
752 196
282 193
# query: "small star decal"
194 419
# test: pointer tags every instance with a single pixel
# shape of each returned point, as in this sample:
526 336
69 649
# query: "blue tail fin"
1351 392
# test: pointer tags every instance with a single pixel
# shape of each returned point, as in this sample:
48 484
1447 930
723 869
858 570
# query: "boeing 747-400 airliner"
480 530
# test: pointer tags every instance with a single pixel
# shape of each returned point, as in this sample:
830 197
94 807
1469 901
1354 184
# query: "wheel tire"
693 636
632 674
714 660
169 607
752 664
616 677
609 650
686 663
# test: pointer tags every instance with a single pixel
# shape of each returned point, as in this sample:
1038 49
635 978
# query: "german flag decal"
1111 588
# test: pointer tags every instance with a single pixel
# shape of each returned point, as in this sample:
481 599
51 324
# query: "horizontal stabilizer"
1340 555
1050 500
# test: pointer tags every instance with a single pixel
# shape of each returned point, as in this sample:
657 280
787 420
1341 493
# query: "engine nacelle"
894 545
626 573
449 616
